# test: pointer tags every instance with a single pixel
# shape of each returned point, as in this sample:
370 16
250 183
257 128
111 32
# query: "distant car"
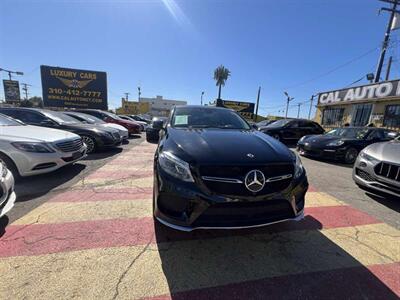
94 137
291 130
133 127
152 131
377 168
343 143
88 119
31 150
264 123
7 194
140 118
143 125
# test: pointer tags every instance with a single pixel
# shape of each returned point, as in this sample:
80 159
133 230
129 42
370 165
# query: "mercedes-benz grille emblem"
254 181
251 155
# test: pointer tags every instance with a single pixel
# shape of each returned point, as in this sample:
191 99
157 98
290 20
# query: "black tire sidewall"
345 155
10 166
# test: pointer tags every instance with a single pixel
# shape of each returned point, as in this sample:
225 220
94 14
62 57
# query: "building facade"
375 103
133 108
160 107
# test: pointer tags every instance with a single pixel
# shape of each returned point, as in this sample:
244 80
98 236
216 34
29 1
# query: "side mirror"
158 124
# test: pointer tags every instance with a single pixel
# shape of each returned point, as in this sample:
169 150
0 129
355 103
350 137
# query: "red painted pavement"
38 239
103 195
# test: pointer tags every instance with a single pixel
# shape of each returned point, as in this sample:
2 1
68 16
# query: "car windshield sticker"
181 120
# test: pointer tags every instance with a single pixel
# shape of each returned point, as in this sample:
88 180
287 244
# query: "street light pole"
298 110
311 103
11 72
385 43
201 98
287 103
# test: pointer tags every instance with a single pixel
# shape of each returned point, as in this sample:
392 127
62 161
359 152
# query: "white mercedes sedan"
30 150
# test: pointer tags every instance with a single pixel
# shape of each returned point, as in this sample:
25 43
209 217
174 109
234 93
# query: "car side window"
376 135
30 117
293 124
305 124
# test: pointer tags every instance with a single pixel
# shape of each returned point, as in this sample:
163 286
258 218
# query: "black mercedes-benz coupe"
213 170
343 143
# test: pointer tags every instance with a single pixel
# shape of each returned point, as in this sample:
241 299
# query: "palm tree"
221 74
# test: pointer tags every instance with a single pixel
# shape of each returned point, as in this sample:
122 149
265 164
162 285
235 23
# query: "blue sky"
172 47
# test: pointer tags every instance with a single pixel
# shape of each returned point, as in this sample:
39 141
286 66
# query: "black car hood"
225 146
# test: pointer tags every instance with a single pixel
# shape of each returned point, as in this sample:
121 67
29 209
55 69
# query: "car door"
305 128
291 131
375 136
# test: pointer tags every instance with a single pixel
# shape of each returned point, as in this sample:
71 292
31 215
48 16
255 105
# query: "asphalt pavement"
87 232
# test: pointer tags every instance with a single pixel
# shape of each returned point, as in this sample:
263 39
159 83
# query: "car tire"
350 156
10 166
90 143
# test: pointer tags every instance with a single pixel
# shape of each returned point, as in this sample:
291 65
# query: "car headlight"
174 166
368 157
33 147
336 143
302 139
298 168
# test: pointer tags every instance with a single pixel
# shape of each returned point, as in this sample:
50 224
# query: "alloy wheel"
351 156
89 142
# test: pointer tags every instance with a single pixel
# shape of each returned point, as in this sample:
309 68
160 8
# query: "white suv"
30 150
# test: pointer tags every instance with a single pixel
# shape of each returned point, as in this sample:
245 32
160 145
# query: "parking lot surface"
94 238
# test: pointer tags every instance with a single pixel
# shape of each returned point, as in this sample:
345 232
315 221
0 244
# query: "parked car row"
36 141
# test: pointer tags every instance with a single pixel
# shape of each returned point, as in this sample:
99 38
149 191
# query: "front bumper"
324 153
186 206
29 163
365 177
8 197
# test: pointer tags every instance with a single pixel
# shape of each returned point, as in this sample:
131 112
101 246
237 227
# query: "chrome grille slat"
70 146
388 170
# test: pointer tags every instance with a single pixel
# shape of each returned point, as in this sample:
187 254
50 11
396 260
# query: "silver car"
378 167
31 150
7 194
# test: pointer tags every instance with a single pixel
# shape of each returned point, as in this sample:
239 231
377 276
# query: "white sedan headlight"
33 147
174 166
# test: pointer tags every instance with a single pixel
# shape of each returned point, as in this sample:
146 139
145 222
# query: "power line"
335 68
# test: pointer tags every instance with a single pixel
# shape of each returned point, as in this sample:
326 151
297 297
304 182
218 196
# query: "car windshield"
279 123
7 121
350 133
60 118
198 117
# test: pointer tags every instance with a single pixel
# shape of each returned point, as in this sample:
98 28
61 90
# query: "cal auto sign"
72 88
374 91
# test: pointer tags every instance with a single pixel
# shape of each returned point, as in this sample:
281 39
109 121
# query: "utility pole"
11 72
385 43
388 68
258 101
311 103
287 103
25 89
201 98
126 96
139 93
298 110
